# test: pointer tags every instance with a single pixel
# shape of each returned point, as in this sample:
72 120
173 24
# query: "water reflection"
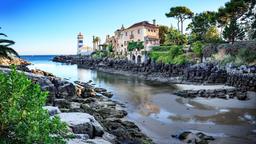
154 103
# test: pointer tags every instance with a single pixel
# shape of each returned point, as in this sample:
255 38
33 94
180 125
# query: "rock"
107 94
99 90
82 123
52 110
62 103
97 141
194 137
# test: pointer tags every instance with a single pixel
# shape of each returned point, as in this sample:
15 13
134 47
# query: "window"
138 31
131 32
126 34
148 30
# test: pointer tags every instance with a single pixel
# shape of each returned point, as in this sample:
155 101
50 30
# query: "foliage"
5 49
163 30
197 48
161 48
110 48
212 35
174 37
181 13
247 55
173 55
99 54
135 45
233 32
23 120
201 23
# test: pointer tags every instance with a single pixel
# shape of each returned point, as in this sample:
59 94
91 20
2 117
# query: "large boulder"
82 123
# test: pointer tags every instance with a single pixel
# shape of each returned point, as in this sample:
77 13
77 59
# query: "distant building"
143 31
81 48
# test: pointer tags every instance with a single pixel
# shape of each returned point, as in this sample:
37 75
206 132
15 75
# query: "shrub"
161 48
135 45
22 119
247 55
180 59
173 55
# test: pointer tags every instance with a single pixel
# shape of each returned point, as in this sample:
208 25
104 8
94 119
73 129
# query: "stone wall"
207 73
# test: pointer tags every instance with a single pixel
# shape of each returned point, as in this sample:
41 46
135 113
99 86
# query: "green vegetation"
197 48
175 37
135 45
163 30
181 13
23 120
233 32
5 49
100 54
169 54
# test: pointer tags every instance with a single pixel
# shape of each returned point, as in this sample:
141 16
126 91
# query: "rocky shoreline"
92 116
243 77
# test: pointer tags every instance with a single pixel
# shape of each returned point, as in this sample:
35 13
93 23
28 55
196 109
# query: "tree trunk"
181 26
178 25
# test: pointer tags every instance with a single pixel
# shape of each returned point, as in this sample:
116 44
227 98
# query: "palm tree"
96 40
5 49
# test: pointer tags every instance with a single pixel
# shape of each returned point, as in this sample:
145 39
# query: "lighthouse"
80 42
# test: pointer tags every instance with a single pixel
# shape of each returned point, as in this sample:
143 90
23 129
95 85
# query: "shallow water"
160 114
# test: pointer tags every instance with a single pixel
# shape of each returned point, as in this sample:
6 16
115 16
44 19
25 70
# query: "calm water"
159 113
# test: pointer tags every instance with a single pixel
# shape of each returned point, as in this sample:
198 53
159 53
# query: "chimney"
154 22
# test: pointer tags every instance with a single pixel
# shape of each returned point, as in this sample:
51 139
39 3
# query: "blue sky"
42 27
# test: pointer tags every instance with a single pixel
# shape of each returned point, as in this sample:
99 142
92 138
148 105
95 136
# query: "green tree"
197 48
201 23
163 30
135 45
181 13
233 32
232 11
175 37
212 35
110 48
5 49
22 119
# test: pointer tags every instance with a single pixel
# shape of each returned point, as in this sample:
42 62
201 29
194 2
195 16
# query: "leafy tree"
163 30
232 11
212 35
22 119
233 32
181 13
5 49
110 48
135 45
174 37
197 48
201 23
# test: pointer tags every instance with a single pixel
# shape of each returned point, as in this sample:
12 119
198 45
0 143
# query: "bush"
161 48
247 55
99 54
22 119
197 48
173 55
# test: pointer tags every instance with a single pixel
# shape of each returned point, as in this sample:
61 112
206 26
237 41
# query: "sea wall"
207 73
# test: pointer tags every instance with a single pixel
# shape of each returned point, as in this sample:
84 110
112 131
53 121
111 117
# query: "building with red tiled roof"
145 32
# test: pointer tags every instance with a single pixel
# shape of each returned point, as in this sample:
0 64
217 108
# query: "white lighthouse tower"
80 42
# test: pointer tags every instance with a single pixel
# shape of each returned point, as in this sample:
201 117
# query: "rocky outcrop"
207 73
216 93
194 137
89 112
13 61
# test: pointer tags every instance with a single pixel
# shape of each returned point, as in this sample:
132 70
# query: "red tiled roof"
143 23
